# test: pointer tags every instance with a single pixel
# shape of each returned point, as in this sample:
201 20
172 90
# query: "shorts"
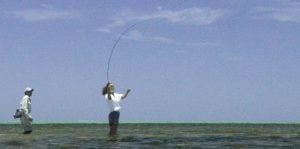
113 118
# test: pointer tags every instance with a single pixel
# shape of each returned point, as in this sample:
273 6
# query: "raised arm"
125 95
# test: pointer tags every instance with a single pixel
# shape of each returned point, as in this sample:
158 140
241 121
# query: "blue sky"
192 61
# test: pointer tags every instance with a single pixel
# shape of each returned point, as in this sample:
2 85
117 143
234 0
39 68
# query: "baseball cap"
28 89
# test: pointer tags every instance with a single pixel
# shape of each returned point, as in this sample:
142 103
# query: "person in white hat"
25 108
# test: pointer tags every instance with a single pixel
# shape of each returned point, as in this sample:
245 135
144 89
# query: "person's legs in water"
26 123
113 130
113 122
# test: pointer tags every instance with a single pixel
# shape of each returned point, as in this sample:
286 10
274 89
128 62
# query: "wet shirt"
114 103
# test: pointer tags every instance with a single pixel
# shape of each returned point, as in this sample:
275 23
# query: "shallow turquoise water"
153 136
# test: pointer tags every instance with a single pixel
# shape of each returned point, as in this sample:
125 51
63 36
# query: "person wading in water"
113 99
25 109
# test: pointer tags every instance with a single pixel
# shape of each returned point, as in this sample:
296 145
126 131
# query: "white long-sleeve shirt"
25 105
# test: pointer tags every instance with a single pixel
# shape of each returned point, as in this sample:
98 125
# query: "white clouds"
138 36
162 39
135 35
288 12
190 16
33 15
292 15
116 23
201 44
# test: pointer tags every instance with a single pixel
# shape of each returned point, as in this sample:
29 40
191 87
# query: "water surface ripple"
153 136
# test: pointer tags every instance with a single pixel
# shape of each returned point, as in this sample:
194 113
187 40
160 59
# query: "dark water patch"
222 139
131 139
14 143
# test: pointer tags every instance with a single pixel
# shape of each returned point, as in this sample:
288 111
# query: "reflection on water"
153 135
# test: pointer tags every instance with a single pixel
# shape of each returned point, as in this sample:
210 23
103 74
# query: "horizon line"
156 122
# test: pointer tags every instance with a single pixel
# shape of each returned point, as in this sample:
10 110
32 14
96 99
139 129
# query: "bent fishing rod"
115 45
